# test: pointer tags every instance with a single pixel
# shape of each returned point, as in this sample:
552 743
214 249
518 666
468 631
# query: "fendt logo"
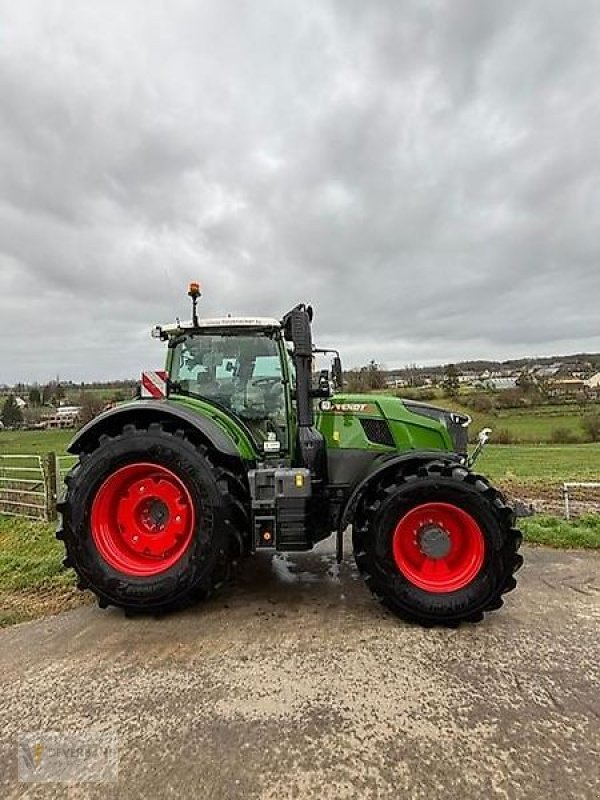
341 408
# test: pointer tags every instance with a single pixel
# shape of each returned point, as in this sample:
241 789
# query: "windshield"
241 372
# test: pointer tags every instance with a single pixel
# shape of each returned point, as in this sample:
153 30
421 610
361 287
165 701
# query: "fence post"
566 501
51 475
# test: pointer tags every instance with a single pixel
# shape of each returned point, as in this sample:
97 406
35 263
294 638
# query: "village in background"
480 385
59 404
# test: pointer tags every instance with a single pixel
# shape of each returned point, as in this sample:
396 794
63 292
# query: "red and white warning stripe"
154 384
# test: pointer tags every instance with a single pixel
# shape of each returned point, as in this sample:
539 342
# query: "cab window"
241 372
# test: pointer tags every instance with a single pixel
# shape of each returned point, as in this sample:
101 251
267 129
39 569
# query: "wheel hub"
155 515
434 541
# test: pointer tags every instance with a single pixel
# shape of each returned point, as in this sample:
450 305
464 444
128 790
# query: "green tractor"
240 446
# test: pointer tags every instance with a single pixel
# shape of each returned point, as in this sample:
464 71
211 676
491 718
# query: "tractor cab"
241 366
259 371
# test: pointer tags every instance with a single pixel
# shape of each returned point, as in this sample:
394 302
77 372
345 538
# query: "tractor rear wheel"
437 546
149 521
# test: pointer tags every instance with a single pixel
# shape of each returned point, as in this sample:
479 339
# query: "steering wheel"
261 381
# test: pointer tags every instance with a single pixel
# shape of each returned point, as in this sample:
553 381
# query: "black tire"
386 503
217 537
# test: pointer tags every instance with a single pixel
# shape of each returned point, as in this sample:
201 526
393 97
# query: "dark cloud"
425 173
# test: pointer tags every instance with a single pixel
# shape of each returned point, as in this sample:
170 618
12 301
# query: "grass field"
32 580
527 425
532 425
521 463
555 532
531 464
34 442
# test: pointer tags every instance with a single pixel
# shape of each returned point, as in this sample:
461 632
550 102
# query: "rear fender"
144 412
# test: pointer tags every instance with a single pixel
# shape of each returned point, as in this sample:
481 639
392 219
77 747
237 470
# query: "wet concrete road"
297 684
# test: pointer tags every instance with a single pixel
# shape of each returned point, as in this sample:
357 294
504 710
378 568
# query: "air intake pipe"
297 329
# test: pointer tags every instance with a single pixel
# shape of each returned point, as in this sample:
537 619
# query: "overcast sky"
425 173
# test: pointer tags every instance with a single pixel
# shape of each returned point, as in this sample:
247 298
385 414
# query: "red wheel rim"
439 547
142 519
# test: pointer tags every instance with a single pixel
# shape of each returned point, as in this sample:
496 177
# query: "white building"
594 381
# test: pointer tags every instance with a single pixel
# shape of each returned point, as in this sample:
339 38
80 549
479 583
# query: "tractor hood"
406 413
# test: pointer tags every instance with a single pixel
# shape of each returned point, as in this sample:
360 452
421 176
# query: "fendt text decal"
347 408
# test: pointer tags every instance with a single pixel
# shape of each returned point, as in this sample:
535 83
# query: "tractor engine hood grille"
456 424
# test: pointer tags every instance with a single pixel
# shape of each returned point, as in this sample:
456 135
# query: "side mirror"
323 385
324 381
337 373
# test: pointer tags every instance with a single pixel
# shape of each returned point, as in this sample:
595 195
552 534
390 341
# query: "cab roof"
260 323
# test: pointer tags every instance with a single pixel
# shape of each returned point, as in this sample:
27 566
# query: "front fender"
379 467
146 412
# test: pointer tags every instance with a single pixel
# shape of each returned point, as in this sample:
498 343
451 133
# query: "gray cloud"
426 173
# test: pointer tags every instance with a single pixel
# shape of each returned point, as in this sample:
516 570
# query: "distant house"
68 411
63 417
396 383
567 387
546 372
594 381
500 384
20 403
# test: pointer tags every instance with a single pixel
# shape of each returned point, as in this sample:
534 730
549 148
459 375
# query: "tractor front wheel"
437 546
